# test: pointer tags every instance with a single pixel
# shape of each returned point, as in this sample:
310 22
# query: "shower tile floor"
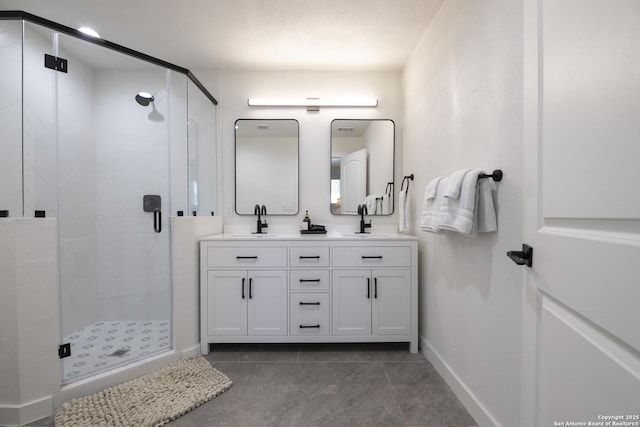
109 343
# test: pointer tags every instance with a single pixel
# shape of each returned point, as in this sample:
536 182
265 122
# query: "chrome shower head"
144 98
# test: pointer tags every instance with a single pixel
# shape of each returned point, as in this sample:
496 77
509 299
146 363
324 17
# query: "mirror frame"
235 164
393 165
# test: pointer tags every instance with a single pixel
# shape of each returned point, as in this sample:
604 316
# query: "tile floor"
109 343
326 385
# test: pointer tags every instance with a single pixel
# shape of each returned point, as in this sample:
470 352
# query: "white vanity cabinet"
372 302
251 302
308 289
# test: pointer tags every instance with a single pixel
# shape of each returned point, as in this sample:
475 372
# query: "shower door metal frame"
25 16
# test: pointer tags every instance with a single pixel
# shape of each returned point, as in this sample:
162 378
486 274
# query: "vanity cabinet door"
226 308
267 302
351 302
391 302
376 302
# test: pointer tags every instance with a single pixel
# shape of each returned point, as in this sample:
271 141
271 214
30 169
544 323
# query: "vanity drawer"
309 280
372 256
309 313
312 256
246 257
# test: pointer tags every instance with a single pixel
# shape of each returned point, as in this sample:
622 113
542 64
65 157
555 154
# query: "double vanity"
294 288
288 288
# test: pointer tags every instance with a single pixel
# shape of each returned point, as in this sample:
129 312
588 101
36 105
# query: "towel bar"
496 175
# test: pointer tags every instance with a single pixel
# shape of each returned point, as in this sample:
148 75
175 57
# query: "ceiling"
372 35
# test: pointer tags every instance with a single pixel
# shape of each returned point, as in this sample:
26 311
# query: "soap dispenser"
306 222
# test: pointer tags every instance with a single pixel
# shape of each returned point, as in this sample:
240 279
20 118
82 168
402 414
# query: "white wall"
377 137
315 130
462 91
29 364
268 171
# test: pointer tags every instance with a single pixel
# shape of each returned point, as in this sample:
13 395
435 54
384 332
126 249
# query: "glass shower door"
112 202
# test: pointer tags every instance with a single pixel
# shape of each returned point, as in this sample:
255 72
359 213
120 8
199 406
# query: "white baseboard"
478 411
191 352
14 415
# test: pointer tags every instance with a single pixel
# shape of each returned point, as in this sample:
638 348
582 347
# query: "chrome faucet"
260 210
362 211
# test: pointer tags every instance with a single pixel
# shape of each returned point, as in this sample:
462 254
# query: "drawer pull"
309 280
368 288
246 257
309 326
371 256
243 279
309 257
250 290
309 303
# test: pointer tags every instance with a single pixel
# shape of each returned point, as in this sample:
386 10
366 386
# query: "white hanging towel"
370 203
433 195
403 201
386 204
455 184
486 220
459 214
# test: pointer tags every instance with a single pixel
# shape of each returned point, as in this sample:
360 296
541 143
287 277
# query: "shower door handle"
157 220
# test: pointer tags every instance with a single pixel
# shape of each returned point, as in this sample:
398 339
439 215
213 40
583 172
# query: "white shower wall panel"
76 193
11 117
39 123
131 161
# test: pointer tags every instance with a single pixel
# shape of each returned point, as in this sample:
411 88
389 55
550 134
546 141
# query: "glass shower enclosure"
109 142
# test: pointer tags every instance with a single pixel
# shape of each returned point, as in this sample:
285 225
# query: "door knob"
523 257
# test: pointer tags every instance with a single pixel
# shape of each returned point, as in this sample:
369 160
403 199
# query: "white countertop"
331 235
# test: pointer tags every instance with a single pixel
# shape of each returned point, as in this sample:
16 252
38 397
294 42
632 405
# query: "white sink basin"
365 235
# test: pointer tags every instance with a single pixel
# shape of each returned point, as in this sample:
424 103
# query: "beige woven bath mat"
150 400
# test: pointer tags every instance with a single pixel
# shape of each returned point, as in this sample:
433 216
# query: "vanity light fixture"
89 31
312 104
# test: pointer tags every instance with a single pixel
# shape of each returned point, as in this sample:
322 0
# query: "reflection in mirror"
362 166
267 166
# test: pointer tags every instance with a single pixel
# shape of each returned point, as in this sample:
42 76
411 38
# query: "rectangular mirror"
362 166
266 166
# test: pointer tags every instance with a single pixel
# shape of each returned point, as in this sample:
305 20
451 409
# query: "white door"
353 180
226 302
351 302
581 322
391 303
267 310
